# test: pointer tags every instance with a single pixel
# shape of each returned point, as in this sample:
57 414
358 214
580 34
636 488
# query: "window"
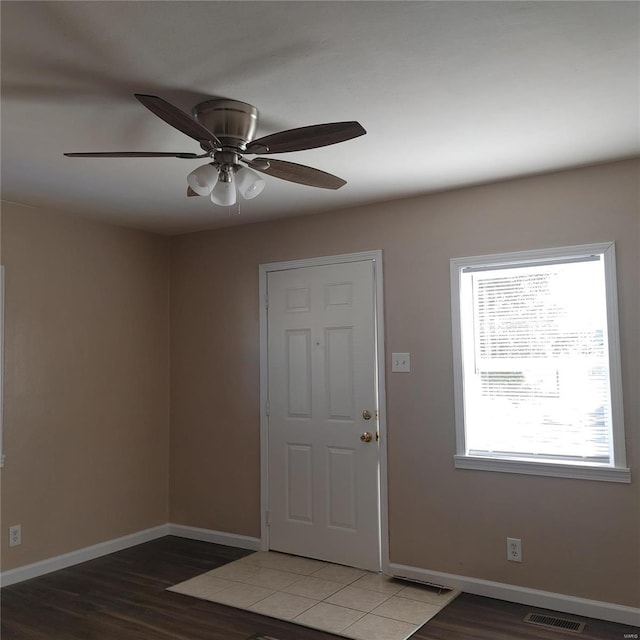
537 363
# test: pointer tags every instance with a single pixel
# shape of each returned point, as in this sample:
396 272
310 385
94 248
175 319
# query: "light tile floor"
342 600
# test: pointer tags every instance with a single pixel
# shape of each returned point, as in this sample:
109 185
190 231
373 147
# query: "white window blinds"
535 361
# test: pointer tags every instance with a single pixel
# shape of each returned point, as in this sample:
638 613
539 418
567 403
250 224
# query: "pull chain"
230 210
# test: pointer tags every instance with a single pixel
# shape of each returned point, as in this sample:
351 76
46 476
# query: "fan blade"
180 120
317 135
134 154
299 173
191 192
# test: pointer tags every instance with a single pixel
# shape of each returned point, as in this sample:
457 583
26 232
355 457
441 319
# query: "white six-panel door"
323 478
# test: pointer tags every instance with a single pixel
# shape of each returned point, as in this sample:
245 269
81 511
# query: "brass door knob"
366 437
366 415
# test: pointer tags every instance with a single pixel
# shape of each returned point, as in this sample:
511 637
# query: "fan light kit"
225 130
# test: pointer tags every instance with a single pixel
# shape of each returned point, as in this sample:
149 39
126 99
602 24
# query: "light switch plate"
401 362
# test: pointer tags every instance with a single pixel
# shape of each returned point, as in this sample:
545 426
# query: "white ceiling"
450 93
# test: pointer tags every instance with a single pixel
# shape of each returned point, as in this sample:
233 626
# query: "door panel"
299 483
339 373
341 473
299 373
323 480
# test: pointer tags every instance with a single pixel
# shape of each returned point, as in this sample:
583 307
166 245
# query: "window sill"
576 471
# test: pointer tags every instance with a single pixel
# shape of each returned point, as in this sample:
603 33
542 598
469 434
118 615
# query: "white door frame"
376 257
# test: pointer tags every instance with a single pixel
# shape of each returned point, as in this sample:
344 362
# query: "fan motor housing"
233 122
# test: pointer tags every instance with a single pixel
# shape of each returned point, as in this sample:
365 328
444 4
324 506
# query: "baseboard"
501 591
522 595
42 567
217 537
28 571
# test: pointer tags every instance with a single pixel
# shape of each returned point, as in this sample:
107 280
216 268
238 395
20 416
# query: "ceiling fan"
225 130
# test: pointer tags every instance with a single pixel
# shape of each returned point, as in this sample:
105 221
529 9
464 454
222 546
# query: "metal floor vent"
553 622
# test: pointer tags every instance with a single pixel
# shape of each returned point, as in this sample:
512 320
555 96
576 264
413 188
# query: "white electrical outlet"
15 535
514 549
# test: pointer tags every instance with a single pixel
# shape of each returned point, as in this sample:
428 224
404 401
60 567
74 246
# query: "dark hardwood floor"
122 597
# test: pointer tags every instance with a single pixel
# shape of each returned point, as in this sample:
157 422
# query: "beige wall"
579 537
89 452
86 382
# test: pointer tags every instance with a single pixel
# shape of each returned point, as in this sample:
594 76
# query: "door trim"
264 269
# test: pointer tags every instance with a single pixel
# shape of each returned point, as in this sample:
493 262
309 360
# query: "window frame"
617 471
